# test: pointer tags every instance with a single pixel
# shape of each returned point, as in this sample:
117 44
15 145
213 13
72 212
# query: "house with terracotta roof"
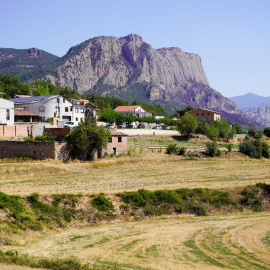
133 110
21 115
207 115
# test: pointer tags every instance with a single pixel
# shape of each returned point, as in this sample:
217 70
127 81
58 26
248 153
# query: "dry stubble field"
170 242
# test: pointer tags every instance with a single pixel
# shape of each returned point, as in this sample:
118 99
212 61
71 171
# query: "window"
81 110
119 139
76 110
76 118
110 139
7 114
66 109
42 108
71 109
64 101
202 113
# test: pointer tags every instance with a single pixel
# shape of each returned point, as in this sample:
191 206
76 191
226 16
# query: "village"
26 116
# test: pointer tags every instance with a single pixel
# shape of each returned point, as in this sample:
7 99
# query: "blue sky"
231 36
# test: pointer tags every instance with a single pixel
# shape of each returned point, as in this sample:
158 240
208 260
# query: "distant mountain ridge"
20 61
250 101
256 108
260 115
132 69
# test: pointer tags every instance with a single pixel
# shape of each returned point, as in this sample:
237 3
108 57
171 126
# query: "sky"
232 37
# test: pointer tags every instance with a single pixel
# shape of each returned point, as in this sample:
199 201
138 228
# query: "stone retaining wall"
36 150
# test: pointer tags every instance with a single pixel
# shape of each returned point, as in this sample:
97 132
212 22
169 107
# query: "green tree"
238 128
212 132
202 127
266 132
188 124
109 116
181 112
252 130
85 138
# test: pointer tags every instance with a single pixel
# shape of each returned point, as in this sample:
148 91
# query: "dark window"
110 139
119 139
76 118
7 114
66 109
64 100
202 113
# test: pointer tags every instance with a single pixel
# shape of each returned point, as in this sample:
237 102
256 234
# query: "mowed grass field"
231 241
239 241
149 170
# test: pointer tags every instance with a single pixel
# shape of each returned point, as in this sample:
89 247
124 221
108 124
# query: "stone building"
207 115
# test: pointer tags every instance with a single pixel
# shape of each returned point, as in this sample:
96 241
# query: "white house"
133 110
6 112
46 106
55 106
83 108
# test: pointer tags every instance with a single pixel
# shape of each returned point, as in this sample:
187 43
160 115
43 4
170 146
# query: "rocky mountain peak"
34 53
132 69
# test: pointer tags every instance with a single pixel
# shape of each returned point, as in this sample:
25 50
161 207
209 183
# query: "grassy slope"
171 242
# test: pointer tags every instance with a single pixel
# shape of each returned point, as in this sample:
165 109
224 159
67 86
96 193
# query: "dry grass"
150 170
173 242
179 242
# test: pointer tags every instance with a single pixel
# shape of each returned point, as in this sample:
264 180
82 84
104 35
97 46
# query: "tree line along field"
221 240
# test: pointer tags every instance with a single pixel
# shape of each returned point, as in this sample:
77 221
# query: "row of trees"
110 103
10 86
217 129
116 117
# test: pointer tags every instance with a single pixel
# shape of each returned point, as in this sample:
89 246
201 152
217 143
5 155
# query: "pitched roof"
204 110
31 99
117 133
126 108
22 112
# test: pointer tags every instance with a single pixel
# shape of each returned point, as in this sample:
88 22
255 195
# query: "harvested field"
179 242
149 170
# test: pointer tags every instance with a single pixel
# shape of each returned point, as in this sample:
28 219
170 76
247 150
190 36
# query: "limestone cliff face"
260 115
130 68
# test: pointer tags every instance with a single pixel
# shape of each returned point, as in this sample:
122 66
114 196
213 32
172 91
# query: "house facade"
83 109
57 107
133 110
53 106
207 115
6 112
118 143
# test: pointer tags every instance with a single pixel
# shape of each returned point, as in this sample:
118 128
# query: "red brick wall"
13 131
120 146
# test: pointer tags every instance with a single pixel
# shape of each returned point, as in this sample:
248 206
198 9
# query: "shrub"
44 138
255 149
266 132
258 135
252 130
172 149
182 151
212 149
229 147
251 199
102 203
196 209
50 120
